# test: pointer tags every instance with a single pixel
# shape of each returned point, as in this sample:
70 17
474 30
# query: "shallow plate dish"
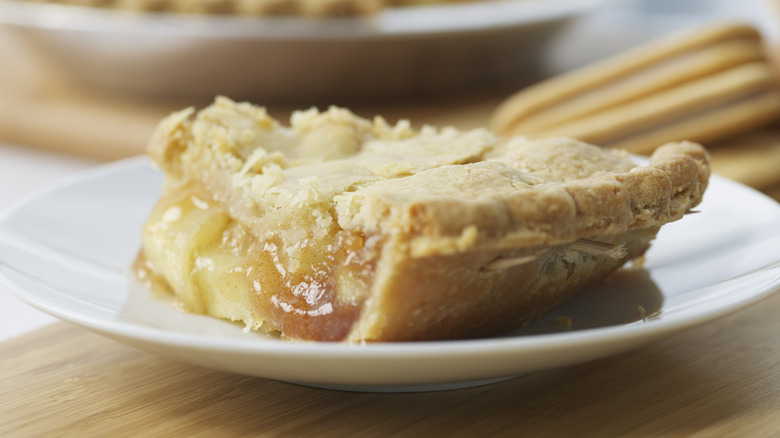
67 251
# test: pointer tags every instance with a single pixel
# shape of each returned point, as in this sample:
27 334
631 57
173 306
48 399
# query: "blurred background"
91 83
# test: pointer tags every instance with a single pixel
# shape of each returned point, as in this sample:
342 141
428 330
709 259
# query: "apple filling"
214 265
339 228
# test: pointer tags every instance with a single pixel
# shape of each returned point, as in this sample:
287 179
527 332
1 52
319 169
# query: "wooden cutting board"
721 379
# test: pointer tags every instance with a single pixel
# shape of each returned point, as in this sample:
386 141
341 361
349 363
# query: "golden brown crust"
530 212
456 234
463 296
510 190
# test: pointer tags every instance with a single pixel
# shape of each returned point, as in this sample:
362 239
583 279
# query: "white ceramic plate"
400 50
66 250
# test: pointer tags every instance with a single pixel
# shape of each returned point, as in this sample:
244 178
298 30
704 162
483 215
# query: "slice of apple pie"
339 228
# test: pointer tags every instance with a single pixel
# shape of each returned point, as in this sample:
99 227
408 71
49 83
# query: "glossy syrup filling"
308 304
236 276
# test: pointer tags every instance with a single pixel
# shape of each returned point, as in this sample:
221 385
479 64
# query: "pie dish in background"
396 50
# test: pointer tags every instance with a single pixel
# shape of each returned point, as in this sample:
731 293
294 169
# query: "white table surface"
22 172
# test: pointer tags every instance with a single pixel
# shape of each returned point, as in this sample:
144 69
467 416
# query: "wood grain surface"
718 380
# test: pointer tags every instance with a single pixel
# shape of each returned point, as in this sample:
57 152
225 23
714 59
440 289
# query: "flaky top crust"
444 191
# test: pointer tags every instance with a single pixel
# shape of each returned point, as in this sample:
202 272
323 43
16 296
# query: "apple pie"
339 228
